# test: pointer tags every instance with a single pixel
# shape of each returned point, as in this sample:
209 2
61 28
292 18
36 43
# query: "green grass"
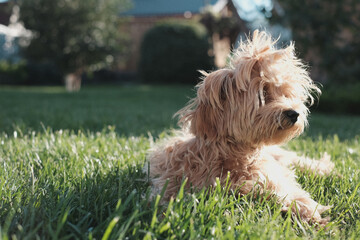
71 167
132 110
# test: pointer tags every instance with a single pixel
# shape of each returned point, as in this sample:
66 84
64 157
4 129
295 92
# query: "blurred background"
135 42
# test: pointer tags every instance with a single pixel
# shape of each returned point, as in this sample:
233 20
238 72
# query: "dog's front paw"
308 210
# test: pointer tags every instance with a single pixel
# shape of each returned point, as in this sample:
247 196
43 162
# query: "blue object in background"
165 7
10 53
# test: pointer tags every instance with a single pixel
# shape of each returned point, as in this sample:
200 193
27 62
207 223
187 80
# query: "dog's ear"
205 115
217 87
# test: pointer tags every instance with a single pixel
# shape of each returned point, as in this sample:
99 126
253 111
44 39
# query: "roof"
166 7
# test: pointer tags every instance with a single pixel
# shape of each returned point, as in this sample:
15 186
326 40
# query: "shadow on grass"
89 207
133 110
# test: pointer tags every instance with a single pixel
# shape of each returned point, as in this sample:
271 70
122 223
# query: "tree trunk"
73 82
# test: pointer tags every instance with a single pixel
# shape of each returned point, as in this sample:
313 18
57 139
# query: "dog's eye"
261 98
264 96
265 93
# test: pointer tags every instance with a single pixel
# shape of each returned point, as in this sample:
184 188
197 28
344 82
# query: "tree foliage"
326 34
225 25
73 34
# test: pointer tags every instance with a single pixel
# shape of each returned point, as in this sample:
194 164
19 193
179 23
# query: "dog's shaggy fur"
235 124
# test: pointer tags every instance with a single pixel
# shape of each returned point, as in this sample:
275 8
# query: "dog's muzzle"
291 115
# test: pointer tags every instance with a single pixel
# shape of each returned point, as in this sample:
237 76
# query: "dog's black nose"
292 115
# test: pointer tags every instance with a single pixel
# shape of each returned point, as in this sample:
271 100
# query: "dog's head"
261 98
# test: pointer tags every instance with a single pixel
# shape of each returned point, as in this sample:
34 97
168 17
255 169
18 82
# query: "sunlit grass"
71 178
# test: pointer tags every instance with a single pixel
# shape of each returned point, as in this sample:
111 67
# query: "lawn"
71 167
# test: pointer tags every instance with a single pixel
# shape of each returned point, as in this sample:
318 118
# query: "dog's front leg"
282 183
320 167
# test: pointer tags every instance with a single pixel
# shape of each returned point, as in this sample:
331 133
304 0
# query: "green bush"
29 73
340 99
43 73
173 52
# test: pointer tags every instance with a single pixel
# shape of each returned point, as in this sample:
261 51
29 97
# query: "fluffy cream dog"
235 124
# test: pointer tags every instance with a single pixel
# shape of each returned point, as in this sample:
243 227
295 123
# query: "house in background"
144 14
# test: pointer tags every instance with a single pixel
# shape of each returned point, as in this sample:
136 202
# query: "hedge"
173 52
